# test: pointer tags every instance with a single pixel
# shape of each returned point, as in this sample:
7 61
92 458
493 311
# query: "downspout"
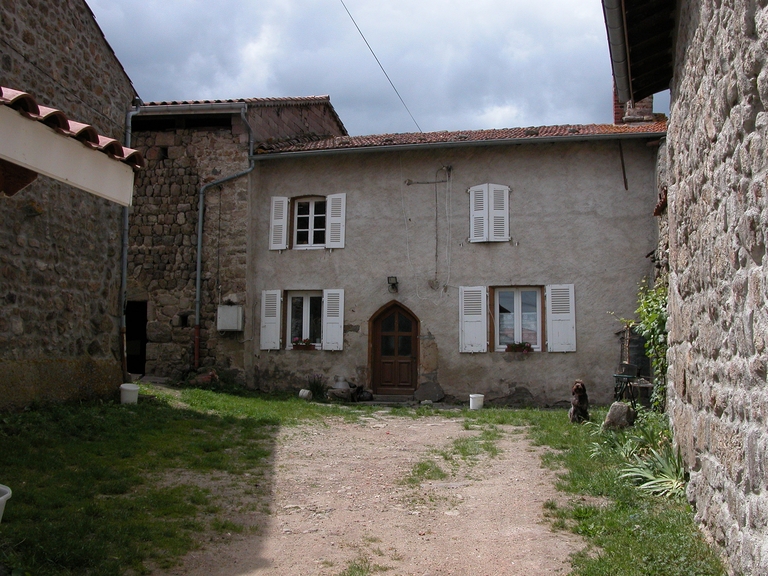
124 258
201 212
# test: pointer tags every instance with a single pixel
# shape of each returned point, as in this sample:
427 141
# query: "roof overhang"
640 39
649 136
29 147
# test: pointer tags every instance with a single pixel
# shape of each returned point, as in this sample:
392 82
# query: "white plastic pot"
476 401
129 393
5 493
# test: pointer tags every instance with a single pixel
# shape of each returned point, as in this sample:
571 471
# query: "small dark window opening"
184 320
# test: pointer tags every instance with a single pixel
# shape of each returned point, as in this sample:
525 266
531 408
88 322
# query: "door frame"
381 312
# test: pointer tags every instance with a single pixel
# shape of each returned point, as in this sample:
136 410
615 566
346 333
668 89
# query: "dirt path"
337 498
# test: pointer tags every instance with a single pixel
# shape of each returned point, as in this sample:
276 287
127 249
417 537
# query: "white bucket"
305 394
475 401
129 393
5 493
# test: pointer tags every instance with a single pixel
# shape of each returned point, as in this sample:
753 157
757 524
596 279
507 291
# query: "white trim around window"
517 317
316 222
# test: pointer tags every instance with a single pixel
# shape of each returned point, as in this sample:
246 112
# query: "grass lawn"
99 488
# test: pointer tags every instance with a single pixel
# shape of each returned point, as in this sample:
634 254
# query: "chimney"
642 111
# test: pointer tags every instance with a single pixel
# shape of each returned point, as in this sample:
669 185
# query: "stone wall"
274 122
59 246
718 213
163 242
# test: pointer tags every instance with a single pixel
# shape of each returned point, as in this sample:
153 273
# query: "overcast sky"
458 64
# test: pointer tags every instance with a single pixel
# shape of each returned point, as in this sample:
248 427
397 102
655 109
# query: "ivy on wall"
652 325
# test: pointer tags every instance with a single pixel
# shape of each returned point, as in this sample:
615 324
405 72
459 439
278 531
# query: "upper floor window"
309 224
489 213
316 222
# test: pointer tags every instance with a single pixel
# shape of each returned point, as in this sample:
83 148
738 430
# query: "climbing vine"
652 325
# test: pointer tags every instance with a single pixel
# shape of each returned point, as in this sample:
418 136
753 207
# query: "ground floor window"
517 317
305 318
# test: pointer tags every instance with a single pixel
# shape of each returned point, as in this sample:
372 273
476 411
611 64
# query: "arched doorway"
395 350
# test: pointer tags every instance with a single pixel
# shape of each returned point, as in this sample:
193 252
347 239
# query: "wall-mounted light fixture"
392 281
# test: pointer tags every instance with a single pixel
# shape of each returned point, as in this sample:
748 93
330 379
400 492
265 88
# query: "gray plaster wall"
718 319
59 246
572 221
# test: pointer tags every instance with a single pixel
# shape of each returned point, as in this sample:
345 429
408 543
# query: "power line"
380 66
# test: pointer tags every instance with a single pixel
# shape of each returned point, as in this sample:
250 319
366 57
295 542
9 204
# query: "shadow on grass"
101 488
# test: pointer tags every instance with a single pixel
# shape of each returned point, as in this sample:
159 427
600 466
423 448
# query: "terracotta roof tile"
26 105
500 135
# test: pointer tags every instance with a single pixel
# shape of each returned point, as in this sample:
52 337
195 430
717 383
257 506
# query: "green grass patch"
425 470
630 532
96 487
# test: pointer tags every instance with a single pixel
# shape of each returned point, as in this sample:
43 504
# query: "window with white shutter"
271 306
489 213
498 213
333 319
473 319
337 205
478 213
561 318
278 223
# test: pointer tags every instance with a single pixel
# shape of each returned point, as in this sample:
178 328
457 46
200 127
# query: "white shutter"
561 318
336 207
333 319
478 213
271 305
498 210
473 319
278 223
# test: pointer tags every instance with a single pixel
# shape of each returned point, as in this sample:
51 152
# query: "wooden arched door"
395 350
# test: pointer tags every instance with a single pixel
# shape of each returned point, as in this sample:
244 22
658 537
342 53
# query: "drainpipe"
200 212
124 258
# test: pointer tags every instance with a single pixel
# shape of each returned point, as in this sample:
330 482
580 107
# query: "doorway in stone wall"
394 347
136 336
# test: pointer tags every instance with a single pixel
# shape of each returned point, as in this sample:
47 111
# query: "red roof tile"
477 137
26 105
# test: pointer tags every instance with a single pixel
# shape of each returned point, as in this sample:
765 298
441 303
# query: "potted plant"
524 347
305 344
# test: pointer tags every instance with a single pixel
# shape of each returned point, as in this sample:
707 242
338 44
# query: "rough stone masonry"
717 161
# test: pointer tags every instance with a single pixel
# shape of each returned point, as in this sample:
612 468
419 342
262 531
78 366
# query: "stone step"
394 398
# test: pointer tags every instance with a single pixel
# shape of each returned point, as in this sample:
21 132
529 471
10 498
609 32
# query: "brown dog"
579 411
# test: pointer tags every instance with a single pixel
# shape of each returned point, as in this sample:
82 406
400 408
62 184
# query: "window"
317 222
317 316
309 224
489 213
517 317
305 317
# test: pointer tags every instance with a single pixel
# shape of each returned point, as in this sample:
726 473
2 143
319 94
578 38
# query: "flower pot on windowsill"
303 346
520 348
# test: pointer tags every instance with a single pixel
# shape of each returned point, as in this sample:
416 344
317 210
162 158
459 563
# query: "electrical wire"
380 66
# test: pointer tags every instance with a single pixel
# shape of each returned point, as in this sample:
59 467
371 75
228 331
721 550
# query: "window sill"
302 247
304 347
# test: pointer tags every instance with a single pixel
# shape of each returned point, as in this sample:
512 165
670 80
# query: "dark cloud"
457 64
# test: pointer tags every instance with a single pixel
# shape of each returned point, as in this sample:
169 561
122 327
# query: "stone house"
198 156
713 56
407 262
60 245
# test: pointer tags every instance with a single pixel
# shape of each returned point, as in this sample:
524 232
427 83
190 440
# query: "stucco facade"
60 246
572 222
